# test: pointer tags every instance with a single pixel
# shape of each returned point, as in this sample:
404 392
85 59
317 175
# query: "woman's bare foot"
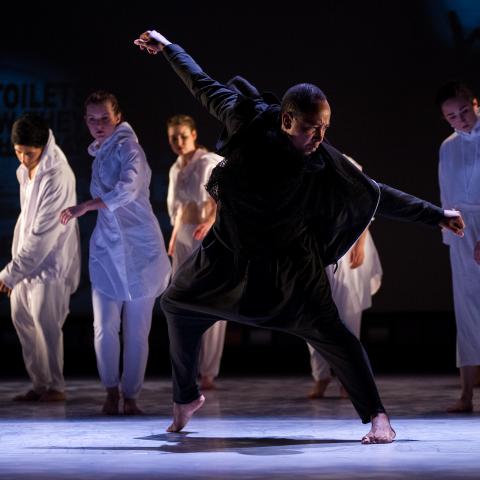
207 383
381 431
461 406
110 406
319 387
130 407
182 413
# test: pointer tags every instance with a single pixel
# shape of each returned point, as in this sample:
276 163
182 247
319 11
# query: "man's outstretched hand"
151 41
453 222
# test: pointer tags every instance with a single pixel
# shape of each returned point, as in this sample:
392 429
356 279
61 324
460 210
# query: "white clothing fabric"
21 229
187 185
39 311
352 291
44 250
459 178
135 318
128 259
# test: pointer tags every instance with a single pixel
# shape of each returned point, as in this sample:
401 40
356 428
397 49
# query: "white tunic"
43 249
187 184
128 259
459 177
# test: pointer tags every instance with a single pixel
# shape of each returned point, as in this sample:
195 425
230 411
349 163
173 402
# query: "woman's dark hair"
182 120
101 96
30 130
451 90
302 98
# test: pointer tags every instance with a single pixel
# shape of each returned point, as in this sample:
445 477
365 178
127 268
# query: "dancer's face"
182 139
28 156
460 113
306 131
101 120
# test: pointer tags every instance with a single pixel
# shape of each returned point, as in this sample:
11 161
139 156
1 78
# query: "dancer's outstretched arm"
219 99
399 205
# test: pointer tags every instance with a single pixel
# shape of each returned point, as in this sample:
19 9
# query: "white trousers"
135 319
39 311
214 338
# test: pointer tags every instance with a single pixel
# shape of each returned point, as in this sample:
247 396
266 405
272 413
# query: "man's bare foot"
110 406
182 413
130 407
319 387
461 406
207 383
381 431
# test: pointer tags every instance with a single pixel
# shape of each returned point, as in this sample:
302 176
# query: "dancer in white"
356 278
129 266
192 213
45 266
459 176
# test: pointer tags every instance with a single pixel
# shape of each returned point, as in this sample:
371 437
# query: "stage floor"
250 428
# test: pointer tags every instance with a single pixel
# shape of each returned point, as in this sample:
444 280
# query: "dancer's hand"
72 212
476 252
201 231
453 222
151 41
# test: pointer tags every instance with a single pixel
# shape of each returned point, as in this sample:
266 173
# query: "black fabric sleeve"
220 100
398 205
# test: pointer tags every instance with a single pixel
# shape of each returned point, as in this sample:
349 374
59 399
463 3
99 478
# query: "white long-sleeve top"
187 183
128 259
459 173
43 249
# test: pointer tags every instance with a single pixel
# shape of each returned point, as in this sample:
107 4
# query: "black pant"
287 292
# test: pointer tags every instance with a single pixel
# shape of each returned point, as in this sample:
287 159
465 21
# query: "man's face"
306 130
460 113
28 156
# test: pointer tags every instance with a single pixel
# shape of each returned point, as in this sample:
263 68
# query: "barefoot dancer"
45 266
129 266
459 175
287 205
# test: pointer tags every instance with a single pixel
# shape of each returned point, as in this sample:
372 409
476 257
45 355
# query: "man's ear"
475 105
287 121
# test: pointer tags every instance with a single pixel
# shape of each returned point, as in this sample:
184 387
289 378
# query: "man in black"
287 206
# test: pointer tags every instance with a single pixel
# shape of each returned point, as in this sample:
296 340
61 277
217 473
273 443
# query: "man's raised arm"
217 98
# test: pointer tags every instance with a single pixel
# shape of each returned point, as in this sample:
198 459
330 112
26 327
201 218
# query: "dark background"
380 64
